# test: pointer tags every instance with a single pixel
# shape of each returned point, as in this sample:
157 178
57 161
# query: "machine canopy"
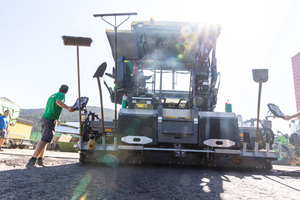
167 42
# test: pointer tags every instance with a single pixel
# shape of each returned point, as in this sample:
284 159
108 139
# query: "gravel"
66 178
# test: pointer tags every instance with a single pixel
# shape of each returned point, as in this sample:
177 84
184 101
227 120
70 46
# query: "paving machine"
167 83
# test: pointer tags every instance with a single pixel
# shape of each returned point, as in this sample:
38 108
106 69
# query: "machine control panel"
275 110
83 103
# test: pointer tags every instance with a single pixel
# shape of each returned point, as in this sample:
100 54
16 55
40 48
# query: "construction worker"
54 107
4 121
287 117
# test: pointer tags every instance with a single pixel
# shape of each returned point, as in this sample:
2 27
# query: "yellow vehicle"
19 130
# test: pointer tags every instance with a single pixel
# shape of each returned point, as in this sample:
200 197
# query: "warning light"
152 20
228 107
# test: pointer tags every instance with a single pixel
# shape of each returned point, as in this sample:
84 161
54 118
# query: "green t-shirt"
52 110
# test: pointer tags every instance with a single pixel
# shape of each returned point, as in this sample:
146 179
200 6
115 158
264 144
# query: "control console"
83 103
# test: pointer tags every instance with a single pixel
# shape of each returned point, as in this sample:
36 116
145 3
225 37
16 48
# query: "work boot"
40 162
31 163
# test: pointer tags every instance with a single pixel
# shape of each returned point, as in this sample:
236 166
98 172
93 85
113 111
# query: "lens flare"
179 56
186 30
137 120
85 181
111 160
129 131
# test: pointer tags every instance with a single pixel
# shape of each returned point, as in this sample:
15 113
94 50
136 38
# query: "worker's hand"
287 117
70 109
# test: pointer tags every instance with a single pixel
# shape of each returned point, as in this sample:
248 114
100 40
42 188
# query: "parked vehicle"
19 129
290 145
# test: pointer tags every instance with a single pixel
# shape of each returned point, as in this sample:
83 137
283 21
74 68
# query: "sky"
256 34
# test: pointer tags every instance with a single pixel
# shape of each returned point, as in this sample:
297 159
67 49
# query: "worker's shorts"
48 129
3 133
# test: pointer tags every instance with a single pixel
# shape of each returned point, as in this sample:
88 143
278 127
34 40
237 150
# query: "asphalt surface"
66 178
72 155
29 152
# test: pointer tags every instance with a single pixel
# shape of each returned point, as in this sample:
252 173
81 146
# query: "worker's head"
6 113
64 89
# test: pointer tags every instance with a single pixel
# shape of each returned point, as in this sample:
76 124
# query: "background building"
296 75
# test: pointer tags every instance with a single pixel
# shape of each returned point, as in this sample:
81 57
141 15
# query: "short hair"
7 111
64 89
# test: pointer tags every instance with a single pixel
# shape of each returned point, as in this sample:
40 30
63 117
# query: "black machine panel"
138 122
179 131
217 125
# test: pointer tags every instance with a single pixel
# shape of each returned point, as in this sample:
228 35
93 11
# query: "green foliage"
35 115
35 136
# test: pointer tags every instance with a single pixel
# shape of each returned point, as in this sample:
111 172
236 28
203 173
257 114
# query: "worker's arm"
63 105
287 117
